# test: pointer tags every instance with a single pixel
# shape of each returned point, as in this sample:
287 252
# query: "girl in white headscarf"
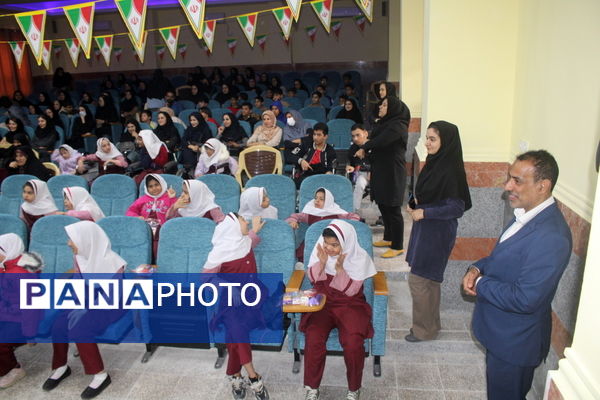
106 155
38 202
196 200
80 204
155 202
67 158
215 159
254 202
92 255
337 268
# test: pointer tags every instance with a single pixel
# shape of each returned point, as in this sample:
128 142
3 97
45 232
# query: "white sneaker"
259 389
311 394
13 376
353 395
238 387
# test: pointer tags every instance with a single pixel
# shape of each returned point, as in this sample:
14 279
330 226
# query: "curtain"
11 77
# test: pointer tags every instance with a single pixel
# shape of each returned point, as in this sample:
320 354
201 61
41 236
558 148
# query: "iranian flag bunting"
73 49
262 41
294 6
133 13
18 49
248 25
106 44
81 19
360 21
194 10
32 25
335 27
57 50
283 16
286 40
140 51
160 51
231 45
208 33
118 53
323 9
366 6
182 49
171 35
46 53
97 53
205 48
311 31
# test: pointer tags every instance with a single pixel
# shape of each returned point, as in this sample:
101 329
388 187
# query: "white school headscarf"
151 142
11 247
250 204
357 264
43 203
220 155
73 154
330 207
161 181
113 153
202 200
94 253
228 243
83 201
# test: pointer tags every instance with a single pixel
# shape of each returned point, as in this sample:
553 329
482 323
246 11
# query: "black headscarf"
390 89
168 132
108 112
353 114
48 131
444 176
46 102
158 86
198 134
234 133
20 129
33 166
397 111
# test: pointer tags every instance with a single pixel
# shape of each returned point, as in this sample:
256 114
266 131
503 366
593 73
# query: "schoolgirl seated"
196 200
83 126
25 161
37 202
232 134
153 155
195 135
45 137
66 157
146 118
323 206
215 159
24 323
233 241
79 203
109 159
338 267
268 133
255 202
155 202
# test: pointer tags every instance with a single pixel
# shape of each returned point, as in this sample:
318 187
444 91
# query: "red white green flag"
284 17
336 26
160 51
294 6
262 41
182 49
194 10
97 53
248 25
18 49
170 35
366 6
140 51
105 43
133 13
231 45
46 53
311 31
360 21
323 9
204 47
81 19
73 49
286 40
57 50
208 33
32 25
118 53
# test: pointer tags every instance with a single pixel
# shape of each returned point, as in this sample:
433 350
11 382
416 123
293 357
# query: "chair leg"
221 353
297 362
150 349
377 366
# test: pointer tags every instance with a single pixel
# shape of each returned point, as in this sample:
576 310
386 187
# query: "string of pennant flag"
133 12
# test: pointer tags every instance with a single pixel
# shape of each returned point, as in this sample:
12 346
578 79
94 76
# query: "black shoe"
412 338
379 221
53 383
90 393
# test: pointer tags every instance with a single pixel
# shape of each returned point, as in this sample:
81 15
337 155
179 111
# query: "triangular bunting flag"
73 49
285 39
205 48
366 6
18 49
106 44
46 53
335 27
208 33
182 48
97 53
33 25
118 53
262 41
194 10
248 25
133 13
160 51
140 51
284 16
231 45
57 50
81 19
311 31
360 21
294 6
323 9
171 35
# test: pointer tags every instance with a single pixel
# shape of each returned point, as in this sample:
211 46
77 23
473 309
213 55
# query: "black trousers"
506 381
393 225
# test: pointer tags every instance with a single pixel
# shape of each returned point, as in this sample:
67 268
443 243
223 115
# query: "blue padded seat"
226 191
281 190
114 193
11 193
12 224
56 184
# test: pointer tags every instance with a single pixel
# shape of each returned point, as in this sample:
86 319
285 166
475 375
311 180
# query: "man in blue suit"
514 285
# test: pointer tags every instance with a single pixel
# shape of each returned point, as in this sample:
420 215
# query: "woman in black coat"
387 145
45 137
83 125
167 132
25 162
441 197
105 115
195 135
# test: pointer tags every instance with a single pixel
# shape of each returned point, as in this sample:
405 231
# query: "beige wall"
370 45
406 65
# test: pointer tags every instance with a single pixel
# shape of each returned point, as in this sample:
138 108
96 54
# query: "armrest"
380 286
295 281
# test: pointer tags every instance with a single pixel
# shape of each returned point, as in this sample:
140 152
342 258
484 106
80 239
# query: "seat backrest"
316 113
338 185
11 193
312 122
213 104
174 181
295 102
49 240
61 136
56 184
184 245
246 126
258 160
184 115
114 193
186 105
53 168
213 128
226 191
275 252
218 113
340 135
281 190
13 224
30 131
334 112
130 237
